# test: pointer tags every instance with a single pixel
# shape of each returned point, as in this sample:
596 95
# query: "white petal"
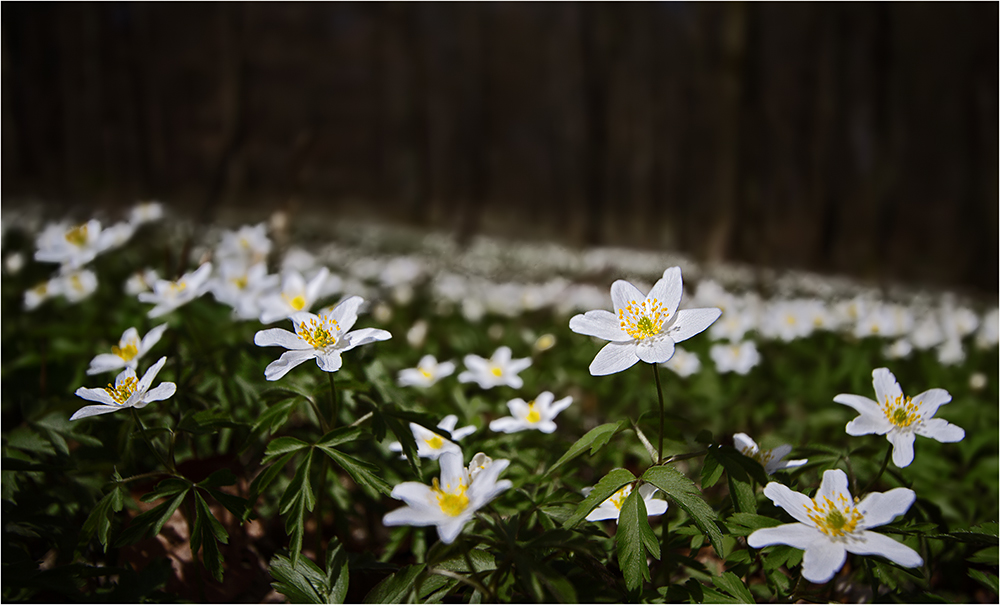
518 407
656 350
450 529
329 362
623 293
412 516
447 423
834 486
604 512
744 443
796 535
346 313
871 543
941 430
928 402
277 337
822 561
99 395
365 336
673 288
149 376
514 382
886 386
445 368
164 390
315 286
152 337
599 323
614 357
546 426
414 494
475 363
792 502
94 410
501 356
518 365
880 508
452 470
560 405
862 404
486 486
287 361
655 507
902 447
105 362
507 424
689 322
868 425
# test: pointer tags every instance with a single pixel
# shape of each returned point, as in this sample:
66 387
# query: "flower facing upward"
294 297
168 295
537 414
321 337
900 418
451 502
771 460
833 524
642 328
499 369
427 372
430 444
126 392
127 352
612 507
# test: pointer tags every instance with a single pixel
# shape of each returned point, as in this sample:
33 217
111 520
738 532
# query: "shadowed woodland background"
857 139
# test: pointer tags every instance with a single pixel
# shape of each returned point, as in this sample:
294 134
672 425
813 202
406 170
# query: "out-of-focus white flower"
878 321
900 418
241 287
850 312
833 524
927 333
169 295
433 446
498 370
710 294
141 281
977 381
118 234
771 460
899 349
951 352
146 212
537 414
733 325
989 330
473 309
683 363
451 502
382 313
40 293
321 337
642 328
75 285
787 320
737 357
819 315
126 392
73 246
248 245
127 352
295 296
957 322
417 334
298 259
427 372
544 343
612 507
13 263
401 271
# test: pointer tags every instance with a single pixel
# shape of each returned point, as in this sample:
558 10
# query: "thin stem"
142 431
885 463
659 394
335 410
319 415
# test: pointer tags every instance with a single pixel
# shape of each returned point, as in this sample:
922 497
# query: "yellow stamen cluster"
240 282
122 392
128 350
533 415
426 373
77 235
434 442
901 411
320 334
618 499
496 371
834 518
642 320
452 504
297 302
762 456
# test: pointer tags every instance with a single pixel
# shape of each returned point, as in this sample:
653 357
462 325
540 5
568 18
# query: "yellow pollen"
241 281
834 518
128 351
320 334
434 442
496 371
178 286
642 320
77 235
533 415
122 393
76 283
901 411
619 497
426 373
790 319
297 302
452 504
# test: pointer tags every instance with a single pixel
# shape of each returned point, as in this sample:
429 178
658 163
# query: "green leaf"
481 560
744 524
283 445
595 439
240 507
362 472
634 538
26 439
986 555
711 472
204 422
267 476
207 532
223 476
986 579
344 434
167 487
396 587
58 428
377 374
608 485
731 583
151 521
337 572
99 520
275 416
682 490
297 499
742 493
301 581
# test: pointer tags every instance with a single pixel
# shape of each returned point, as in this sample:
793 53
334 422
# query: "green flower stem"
319 415
885 463
142 431
659 394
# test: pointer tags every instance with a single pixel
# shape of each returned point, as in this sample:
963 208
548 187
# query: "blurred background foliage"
853 138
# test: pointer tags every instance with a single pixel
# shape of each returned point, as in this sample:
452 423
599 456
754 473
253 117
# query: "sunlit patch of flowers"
538 414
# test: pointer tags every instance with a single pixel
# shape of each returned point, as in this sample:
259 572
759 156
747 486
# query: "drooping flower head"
427 372
642 328
612 507
430 444
169 295
900 418
498 370
832 524
126 392
127 352
771 460
537 414
321 337
449 503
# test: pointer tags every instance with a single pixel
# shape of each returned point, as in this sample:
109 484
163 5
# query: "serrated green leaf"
223 476
608 485
281 446
344 434
481 560
297 499
740 489
986 579
744 524
166 488
26 439
711 472
301 581
730 583
234 504
275 416
337 572
58 428
595 439
682 490
987 555
268 475
150 522
362 472
634 538
99 520
205 535
396 587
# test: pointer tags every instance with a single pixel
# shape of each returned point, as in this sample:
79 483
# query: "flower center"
128 351
77 235
901 411
320 334
122 392
434 442
496 371
426 373
834 518
297 302
533 415
642 320
241 281
452 504
618 499
761 456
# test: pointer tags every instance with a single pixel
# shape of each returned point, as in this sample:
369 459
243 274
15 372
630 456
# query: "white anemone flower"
141 281
321 337
146 212
612 507
738 357
126 392
34 297
451 502
989 330
538 414
684 363
127 352
248 244
430 444
295 296
75 285
832 524
900 418
498 370
642 328
74 246
241 287
427 372
169 295
771 460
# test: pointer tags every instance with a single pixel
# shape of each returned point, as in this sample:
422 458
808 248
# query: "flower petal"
447 423
365 336
654 350
604 512
834 486
886 387
329 362
105 362
507 424
409 515
600 324
99 395
672 289
862 404
501 356
823 560
149 376
152 337
346 312
623 293
796 535
287 361
689 322
792 502
94 410
929 401
485 487
868 425
871 543
744 443
278 337
559 406
452 470
902 447
450 529
614 357
880 508
941 430
164 390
